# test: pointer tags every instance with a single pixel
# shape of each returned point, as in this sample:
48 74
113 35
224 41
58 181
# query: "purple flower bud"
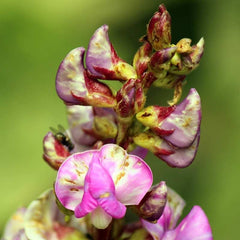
74 86
152 205
102 60
159 29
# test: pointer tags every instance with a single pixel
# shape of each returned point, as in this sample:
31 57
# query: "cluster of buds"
101 172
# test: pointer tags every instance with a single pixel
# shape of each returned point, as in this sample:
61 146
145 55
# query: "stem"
102 234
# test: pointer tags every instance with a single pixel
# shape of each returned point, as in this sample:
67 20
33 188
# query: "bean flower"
101 183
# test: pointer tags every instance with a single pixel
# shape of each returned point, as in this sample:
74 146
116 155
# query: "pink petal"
184 120
194 226
87 205
70 179
80 119
181 157
176 204
102 188
70 76
75 87
102 60
132 177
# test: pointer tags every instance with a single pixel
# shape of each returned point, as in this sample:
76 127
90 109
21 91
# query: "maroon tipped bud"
159 29
55 151
130 98
141 58
152 205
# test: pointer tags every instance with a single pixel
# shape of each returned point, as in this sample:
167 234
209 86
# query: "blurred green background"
36 35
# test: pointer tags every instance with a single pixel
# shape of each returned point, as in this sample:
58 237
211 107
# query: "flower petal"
80 120
15 225
176 204
100 219
131 175
181 157
194 226
70 179
102 60
185 120
74 87
40 216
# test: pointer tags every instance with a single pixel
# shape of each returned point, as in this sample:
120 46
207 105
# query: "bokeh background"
36 35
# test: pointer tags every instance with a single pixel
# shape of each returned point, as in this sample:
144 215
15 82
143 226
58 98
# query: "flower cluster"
101 172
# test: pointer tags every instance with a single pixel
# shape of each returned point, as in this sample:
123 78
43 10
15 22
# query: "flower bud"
152 205
159 29
179 125
173 156
102 60
130 98
55 152
141 58
187 58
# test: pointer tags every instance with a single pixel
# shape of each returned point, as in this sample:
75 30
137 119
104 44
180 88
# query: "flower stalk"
101 172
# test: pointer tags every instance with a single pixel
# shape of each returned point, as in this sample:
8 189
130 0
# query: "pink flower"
194 226
101 182
174 131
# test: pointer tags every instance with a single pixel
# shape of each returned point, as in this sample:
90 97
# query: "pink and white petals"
101 182
185 120
181 157
80 120
54 152
43 220
132 177
176 205
14 229
74 87
69 186
99 192
173 156
194 226
102 60
178 125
